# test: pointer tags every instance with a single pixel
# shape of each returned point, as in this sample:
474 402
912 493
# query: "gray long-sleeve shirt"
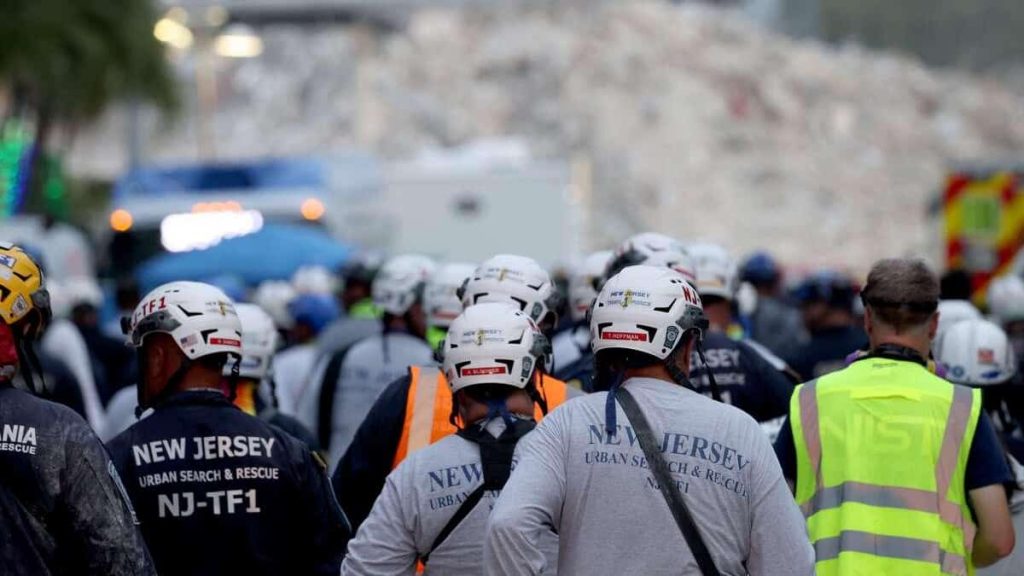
418 500
598 493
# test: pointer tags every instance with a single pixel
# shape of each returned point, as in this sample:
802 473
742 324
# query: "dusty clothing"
62 507
222 492
595 488
418 500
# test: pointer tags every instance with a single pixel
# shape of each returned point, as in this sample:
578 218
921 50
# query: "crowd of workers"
404 415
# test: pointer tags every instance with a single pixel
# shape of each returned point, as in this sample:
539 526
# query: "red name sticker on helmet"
485 371
629 336
986 356
226 342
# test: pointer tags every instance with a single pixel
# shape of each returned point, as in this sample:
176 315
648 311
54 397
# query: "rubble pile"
697 122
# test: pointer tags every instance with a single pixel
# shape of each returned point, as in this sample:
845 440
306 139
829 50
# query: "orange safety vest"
429 406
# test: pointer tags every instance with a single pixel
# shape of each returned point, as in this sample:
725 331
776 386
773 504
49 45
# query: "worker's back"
889 441
614 520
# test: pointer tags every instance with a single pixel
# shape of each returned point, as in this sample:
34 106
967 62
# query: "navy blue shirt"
827 351
221 492
744 376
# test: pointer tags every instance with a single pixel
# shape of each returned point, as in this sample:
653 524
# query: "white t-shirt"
418 500
292 370
598 493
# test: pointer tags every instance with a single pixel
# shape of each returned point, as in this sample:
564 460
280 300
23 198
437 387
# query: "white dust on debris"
698 122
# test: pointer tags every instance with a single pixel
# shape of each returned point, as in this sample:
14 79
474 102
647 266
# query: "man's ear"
933 326
684 356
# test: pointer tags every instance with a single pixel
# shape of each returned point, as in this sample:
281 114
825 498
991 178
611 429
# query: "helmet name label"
485 371
626 336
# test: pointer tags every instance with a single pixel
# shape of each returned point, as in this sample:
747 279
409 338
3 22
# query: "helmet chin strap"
27 357
682 379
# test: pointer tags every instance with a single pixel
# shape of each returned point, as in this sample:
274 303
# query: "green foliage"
69 59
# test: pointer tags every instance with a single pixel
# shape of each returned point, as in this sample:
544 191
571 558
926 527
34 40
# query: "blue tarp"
273 253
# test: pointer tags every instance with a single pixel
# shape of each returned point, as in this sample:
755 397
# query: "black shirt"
222 492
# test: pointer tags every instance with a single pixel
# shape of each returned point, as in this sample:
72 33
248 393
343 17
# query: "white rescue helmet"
976 352
400 282
717 271
647 309
273 296
952 312
584 282
441 295
200 318
653 249
259 342
515 280
493 343
1006 299
314 280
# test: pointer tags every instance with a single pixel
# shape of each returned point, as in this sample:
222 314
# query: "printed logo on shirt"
703 459
220 452
18 438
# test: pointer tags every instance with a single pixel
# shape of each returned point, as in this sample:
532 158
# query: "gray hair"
902 293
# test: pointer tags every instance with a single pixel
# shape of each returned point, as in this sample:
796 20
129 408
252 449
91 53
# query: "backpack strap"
667 485
496 460
328 391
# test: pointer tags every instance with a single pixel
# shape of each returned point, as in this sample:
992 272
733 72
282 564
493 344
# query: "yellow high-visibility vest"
882 452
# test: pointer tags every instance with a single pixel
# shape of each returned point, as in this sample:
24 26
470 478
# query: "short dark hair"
901 292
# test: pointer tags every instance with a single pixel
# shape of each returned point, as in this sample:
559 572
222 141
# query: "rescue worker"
826 302
590 472
652 249
649 248
441 299
413 413
296 365
952 312
897 470
361 317
979 354
342 389
255 390
425 514
218 491
573 344
773 323
63 508
1006 306
748 376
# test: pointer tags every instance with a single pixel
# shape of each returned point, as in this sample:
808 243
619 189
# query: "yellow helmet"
22 290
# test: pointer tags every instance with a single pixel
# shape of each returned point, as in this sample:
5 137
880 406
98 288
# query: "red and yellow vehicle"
983 212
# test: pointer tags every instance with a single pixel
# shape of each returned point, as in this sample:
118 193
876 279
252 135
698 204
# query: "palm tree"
63 63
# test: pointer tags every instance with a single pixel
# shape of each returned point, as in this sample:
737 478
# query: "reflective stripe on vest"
427 408
890 547
830 499
429 403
